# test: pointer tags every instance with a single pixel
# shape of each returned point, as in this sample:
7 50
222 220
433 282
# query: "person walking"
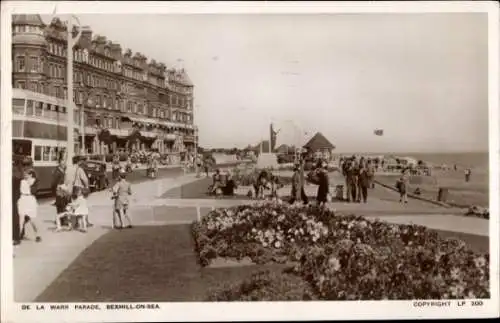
17 176
403 186
121 192
323 181
27 205
79 209
61 195
350 177
303 195
363 183
76 180
370 170
296 187
115 167
467 175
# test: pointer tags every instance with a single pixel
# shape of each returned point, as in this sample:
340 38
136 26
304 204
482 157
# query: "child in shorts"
121 192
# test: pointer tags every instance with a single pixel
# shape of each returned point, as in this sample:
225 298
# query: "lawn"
154 264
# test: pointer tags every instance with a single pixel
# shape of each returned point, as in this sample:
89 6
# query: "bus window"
38 153
21 147
47 111
54 154
46 153
18 106
29 108
38 109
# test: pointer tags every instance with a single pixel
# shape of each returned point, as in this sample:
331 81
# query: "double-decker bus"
39 131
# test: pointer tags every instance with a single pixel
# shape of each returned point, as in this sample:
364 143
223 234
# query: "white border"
249 311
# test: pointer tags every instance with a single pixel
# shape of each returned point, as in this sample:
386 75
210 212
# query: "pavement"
36 265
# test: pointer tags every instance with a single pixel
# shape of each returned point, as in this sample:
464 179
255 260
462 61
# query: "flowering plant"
346 257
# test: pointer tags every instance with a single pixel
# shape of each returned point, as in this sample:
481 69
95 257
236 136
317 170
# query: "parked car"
96 172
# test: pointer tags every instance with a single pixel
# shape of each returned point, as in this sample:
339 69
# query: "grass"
154 264
460 193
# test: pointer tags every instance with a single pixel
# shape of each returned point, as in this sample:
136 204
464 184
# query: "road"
139 176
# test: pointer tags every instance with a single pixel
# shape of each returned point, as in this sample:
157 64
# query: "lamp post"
70 43
196 169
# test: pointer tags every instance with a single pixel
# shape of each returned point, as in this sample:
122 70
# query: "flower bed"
346 257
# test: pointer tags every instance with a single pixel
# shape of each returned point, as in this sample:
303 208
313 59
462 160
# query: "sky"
422 78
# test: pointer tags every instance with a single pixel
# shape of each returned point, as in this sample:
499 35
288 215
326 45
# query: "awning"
144 120
148 134
126 119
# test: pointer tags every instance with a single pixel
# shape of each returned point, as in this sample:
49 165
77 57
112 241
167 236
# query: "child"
79 208
27 204
121 191
62 200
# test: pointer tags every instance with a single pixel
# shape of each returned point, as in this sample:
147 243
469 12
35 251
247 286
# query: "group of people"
359 175
222 184
318 176
70 186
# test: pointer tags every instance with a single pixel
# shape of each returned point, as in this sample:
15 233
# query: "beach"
460 193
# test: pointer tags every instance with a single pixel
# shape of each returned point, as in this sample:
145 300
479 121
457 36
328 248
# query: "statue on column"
274 136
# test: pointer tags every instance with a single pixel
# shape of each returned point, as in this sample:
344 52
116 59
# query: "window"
49 112
21 84
18 106
29 108
65 93
35 66
38 153
54 153
20 63
46 153
38 109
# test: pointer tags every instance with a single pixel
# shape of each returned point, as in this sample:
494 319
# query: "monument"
269 159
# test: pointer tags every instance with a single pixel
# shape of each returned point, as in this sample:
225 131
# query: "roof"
33 20
319 142
185 79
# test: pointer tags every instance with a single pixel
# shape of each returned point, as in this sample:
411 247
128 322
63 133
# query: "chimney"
116 51
86 37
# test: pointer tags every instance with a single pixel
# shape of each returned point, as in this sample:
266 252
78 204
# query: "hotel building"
115 92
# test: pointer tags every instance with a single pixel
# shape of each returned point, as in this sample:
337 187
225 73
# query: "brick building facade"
114 89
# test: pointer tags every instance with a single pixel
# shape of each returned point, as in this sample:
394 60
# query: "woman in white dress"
27 204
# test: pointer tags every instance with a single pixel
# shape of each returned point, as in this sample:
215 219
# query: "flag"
378 132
